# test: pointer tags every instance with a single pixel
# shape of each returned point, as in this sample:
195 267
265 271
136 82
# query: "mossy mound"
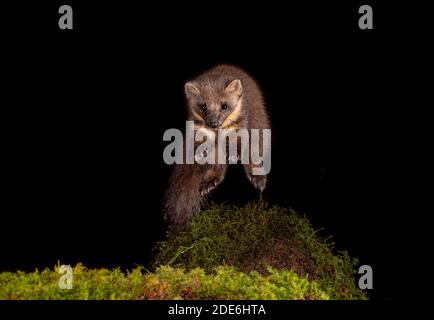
256 237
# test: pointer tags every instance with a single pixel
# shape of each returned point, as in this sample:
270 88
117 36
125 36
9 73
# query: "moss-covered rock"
256 236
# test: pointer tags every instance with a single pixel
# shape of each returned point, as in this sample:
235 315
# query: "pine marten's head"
214 101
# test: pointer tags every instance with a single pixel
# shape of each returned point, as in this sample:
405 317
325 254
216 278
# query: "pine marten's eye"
224 106
202 106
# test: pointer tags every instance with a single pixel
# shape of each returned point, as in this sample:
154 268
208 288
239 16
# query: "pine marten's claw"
207 186
259 182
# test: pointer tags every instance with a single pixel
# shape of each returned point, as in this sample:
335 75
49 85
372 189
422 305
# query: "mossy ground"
256 236
253 252
165 283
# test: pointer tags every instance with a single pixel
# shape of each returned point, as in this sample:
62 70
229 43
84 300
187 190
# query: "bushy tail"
183 199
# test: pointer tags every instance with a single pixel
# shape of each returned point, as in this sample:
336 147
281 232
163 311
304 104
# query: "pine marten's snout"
213 121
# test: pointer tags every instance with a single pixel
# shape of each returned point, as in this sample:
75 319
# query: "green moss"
87 284
256 236
165 283
227 283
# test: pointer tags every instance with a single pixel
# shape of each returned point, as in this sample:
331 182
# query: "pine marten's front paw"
259 181
208 185
211 180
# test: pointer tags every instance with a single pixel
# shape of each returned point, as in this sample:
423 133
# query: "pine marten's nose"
213 123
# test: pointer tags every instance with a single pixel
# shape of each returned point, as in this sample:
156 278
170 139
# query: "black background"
83 175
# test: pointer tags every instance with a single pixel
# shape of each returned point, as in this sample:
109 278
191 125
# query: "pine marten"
224 97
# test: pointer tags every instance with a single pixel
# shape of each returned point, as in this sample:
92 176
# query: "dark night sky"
83 175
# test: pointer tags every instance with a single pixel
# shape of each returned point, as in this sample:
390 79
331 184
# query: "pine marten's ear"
235 87
191 89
